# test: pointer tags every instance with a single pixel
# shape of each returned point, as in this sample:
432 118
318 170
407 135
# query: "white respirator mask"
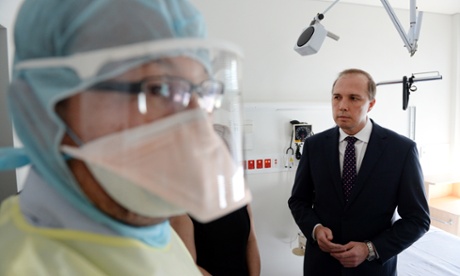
168 167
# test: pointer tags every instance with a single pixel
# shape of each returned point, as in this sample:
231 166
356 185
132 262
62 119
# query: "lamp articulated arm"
411 38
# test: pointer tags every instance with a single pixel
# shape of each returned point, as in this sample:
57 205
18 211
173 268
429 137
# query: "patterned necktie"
349 166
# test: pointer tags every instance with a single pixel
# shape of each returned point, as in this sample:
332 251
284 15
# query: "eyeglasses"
172 90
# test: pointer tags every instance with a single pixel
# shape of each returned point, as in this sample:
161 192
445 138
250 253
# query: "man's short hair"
371 86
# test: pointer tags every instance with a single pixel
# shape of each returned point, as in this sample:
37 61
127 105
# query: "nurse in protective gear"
115 103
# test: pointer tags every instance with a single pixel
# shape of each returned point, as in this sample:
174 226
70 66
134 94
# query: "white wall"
267 31
273 72
455 123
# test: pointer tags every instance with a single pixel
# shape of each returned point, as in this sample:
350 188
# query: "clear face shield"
157 125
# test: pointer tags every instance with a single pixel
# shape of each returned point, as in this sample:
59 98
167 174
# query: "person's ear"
371 105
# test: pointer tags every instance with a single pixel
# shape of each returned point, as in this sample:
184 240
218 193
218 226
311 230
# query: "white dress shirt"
363 137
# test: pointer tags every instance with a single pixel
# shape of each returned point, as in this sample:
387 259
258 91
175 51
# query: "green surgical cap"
60 28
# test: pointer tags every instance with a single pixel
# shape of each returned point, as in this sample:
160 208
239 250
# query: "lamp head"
311 39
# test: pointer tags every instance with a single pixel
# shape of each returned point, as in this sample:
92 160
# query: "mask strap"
73 136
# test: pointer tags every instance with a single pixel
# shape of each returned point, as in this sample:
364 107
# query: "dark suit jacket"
390 177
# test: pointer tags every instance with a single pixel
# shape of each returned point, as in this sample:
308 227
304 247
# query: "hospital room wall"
274 72
455 123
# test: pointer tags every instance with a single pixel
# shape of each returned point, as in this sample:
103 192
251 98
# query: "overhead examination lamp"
312 37
408 84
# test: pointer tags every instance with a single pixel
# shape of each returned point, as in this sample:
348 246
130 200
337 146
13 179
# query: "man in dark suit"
350 229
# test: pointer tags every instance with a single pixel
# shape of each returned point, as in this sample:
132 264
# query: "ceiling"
435 6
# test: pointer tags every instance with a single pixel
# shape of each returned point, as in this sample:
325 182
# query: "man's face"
351 103
94 114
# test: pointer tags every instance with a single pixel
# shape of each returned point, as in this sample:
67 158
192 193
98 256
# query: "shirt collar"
363 135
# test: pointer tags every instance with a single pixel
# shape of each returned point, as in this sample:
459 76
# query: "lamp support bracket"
410 39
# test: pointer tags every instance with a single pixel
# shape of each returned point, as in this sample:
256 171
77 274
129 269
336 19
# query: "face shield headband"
90 64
